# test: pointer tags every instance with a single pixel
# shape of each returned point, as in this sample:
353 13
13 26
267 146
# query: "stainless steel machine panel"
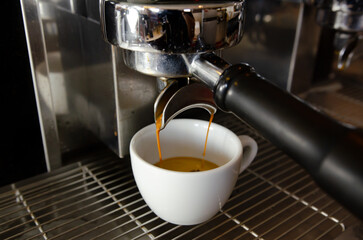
85 93
280 41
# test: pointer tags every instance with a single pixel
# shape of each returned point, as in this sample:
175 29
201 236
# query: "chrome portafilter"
160 38
164 38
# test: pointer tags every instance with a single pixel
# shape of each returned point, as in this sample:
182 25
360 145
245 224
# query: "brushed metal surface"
85 93
37 56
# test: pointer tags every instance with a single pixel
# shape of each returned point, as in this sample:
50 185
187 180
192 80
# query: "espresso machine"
172 40
104 69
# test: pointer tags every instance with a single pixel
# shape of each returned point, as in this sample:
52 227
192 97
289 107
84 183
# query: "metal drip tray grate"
98 199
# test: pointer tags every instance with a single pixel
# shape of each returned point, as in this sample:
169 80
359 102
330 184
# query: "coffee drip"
184 164
179 96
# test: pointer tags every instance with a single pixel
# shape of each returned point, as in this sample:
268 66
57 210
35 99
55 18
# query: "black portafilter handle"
331 152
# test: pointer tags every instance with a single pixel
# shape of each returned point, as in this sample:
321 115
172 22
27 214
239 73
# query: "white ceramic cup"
188 198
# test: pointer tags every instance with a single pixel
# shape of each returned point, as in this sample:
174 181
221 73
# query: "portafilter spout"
177 97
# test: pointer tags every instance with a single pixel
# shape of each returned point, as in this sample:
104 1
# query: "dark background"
22 154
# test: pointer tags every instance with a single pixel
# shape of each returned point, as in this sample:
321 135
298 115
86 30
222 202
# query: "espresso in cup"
188 198
183 164
186 164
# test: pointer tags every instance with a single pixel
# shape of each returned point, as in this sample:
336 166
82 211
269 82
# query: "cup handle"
249 151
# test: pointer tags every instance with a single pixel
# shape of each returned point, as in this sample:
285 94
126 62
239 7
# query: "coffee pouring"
173 40
189 197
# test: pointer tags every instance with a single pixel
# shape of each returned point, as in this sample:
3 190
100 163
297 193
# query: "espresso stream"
183 164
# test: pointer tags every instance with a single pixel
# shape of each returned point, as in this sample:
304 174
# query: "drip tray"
97 199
